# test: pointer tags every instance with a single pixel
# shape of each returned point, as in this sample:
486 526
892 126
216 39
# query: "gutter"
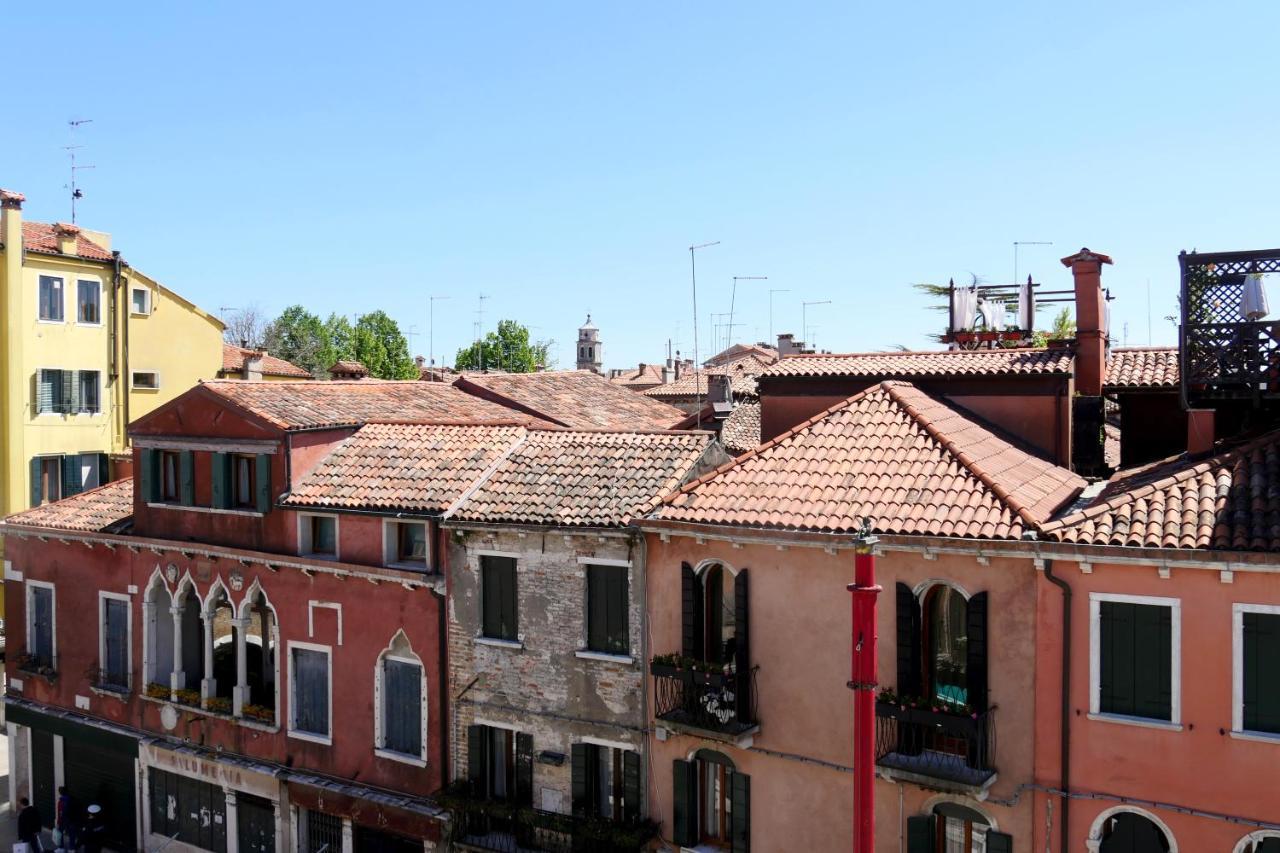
1065 710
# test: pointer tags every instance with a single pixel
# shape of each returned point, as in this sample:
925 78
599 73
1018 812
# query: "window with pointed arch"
190 627
400 688
261 640
158 626
942 646
223 627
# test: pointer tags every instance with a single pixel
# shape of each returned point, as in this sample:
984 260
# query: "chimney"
719 387
11 224
420 360
1200 431
66 234
1091 324
253 364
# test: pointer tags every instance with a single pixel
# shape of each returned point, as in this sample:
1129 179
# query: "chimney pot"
1200 431
1091 312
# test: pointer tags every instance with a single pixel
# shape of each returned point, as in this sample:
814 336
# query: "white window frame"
103 597
380 748
98 412
88 279
1174 723
53 607
134 386
40 319
304 535
391 544
1237 670
149 309
293 731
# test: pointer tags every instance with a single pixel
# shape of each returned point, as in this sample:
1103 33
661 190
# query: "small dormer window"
141 300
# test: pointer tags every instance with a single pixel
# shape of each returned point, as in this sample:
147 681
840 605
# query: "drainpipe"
1065 747
125 376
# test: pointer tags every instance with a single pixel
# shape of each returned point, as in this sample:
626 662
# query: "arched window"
959 829
1128 830
158 628
1263 841
946 645
189 633
221 632
942 646
258 694
400 693
720 638
715 796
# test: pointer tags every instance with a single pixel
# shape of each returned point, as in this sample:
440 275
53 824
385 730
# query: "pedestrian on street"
95 830
67 822
29 824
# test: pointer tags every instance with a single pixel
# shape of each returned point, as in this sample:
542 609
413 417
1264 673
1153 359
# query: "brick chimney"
253 364
1091 321
66 234
1200 431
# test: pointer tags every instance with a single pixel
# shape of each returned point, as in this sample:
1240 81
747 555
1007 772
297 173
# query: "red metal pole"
863 683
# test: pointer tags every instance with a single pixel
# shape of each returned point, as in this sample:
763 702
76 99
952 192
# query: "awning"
69 725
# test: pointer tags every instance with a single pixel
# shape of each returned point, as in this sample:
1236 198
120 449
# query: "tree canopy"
313 344
508 348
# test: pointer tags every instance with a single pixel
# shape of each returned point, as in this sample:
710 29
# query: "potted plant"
218 705
187 697
155 690
259 713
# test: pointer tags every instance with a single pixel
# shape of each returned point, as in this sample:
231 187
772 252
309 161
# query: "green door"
42 775
255 824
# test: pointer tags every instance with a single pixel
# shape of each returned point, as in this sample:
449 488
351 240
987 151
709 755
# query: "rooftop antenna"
76 193
479 325
734 296
431 332
804 315
693 275
1017 244
772 340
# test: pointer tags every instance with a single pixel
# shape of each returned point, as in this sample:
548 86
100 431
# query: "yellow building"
89 344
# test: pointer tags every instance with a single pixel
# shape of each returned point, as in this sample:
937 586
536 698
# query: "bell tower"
590 356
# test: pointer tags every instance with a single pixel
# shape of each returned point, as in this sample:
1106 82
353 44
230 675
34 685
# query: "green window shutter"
524 768
68 391
1153 661
498 597
77 397
104 469
1116 637
742 644
597 609
44 391
617 617
740 806
263 475
631 786
691 633
149 459
920 833
71 481
477 759
976 651
1261 664
999 842
580 773
684 794
37 493
187 473
909 653
219 479
510 615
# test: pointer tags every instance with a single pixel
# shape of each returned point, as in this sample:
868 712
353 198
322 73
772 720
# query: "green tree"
298 336
338 340
508 348
378 342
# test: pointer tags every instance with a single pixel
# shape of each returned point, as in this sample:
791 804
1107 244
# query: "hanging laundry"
1253 299
992 314
1026 306
964 308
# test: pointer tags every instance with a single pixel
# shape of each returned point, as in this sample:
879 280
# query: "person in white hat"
95 830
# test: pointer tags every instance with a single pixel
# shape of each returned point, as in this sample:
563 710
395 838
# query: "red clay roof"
578 399
41 238
233 362
303 405
767 354
411 467
1142 367
569 478
742 373
1225 502
908 365
893 454
651 375
349 366
93 511
741 430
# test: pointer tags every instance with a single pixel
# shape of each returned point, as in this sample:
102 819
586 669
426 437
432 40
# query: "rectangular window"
114 638
310 696
141 300
607 600
51 299
499 750
48 470
498 596
53 392
603 787
402 707
89 302
242 481
1136 656
405 544
40 633
170 476
318 535
86 401
187 810
146 380
320 832
1257 644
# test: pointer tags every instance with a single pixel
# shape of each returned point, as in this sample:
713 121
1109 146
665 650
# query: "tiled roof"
741 430
893 454
94 510
578 399
743 373
909 365
302 405
233 362
41 238
649 376
410 467
767 354
1142 367
1230 501
565 478
349 366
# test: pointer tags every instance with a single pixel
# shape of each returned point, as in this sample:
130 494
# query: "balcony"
932 747
710 702
488 825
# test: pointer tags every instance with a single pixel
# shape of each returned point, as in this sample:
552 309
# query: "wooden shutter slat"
597 609
740 806
510 609
187 474
524 768
67 392
976 652
37 490
908 629
684 793
631 786
616 609
148 457
69 470
263 476
691 645
219 480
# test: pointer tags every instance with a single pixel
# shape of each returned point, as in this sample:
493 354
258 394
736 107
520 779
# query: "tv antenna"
479 327
693 275
734 297
76 192
804 317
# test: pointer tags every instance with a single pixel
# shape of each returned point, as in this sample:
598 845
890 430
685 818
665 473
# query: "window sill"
325 740
330 558
208 509
420 568
514 645
1260 737
51 322
143 388
606 657
121 693
1140 722
87 325
392 755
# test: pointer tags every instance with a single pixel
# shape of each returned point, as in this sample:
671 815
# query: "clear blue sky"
561 157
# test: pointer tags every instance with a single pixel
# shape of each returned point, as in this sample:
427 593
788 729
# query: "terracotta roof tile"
302 405
765 353
578 399
41 238
742 373
566 478
349 366
741 430
408 467
1229 501
894 454
908 365
95 510
233 362
648 377
1142 367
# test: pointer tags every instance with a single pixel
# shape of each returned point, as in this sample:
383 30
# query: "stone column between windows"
233 823
177 678
240 693
277 814
348 836
208 686
148 643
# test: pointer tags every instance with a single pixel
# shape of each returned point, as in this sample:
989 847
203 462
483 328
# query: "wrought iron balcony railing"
714 701
942 745
502 827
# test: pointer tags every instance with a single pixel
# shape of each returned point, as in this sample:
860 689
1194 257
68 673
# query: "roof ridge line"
484 476
965 460
656 501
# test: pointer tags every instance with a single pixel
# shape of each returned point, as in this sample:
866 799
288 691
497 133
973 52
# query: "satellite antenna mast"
71 150
734 298
693 275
